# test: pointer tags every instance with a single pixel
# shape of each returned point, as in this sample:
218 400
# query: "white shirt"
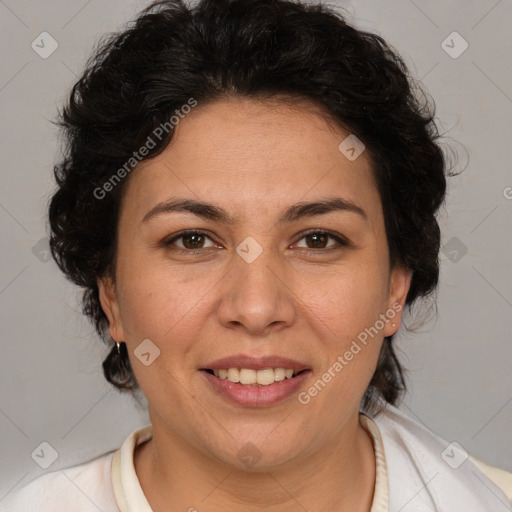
416 471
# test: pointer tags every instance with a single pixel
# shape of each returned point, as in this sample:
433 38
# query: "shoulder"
502 478
81 488
427 472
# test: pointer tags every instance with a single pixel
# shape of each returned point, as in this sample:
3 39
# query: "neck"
341 476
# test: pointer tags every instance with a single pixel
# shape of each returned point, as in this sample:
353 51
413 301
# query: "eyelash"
342 241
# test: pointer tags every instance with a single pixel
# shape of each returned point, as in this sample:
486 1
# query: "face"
252 281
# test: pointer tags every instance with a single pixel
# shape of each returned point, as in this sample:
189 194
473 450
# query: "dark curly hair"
138 78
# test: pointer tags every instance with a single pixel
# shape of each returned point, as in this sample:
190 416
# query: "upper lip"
255 363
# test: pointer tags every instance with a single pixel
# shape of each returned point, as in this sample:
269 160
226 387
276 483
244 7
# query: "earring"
394 325
118 344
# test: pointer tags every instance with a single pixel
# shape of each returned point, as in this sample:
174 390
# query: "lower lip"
256 396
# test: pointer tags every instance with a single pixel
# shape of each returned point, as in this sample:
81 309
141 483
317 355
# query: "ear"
110 306
400 283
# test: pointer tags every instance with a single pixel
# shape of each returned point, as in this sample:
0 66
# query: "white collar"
127 490
130 496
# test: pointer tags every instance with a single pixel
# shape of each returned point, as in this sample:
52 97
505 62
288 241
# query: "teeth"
249 377
233 375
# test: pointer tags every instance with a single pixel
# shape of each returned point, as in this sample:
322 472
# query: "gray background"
52 388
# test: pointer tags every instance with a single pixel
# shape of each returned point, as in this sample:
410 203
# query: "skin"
297 300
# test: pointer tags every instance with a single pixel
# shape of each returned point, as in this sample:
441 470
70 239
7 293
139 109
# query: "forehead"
251 156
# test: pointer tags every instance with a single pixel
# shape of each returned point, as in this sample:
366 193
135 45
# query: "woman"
248 199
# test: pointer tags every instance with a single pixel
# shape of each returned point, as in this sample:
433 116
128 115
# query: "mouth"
252 381
252 377
248 387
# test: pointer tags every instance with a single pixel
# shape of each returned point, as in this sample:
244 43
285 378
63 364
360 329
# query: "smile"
252 393
250 377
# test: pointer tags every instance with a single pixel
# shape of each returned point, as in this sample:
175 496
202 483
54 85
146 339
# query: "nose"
257 297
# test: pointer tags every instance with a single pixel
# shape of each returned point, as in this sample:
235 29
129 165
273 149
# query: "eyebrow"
293 213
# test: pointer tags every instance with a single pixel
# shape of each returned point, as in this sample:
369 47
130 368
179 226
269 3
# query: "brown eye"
191 240
319 240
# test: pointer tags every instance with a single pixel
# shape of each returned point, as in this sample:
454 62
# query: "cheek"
160 302
348 347
345 316
347 300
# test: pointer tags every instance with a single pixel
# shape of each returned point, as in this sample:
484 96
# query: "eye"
319 238
192 240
